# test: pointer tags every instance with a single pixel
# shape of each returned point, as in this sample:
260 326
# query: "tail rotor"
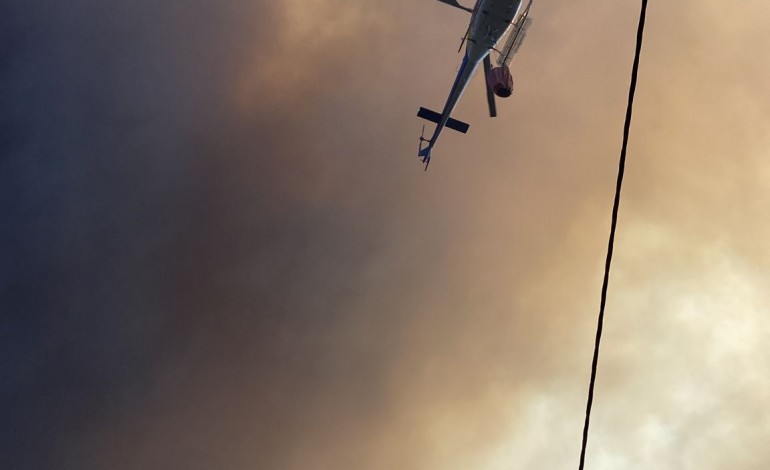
424 152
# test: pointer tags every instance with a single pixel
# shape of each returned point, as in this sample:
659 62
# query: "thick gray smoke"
219 250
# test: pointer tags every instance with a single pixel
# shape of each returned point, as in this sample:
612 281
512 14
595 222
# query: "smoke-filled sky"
218 249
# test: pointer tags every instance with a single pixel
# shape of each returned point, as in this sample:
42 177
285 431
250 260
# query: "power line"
611 243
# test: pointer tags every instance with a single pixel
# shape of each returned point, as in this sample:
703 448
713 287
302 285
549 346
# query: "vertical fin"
490 93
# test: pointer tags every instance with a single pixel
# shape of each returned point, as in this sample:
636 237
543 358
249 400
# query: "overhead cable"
611 243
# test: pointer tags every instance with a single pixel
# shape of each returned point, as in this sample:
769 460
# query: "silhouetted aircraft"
490 21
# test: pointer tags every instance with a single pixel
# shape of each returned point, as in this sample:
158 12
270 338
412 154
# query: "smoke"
219 249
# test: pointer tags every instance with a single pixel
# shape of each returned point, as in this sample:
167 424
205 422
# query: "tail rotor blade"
490 93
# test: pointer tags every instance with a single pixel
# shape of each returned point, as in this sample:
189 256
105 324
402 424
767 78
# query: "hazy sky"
219 249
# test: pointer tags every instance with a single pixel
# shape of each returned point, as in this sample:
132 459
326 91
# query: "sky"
219 250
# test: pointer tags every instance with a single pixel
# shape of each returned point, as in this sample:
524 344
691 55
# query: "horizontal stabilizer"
435 117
